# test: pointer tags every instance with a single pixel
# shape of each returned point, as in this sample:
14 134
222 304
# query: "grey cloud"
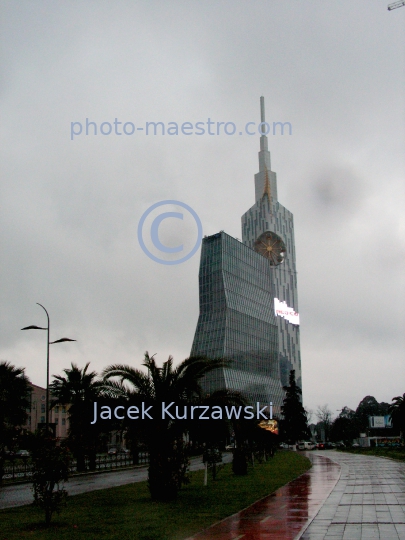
70 209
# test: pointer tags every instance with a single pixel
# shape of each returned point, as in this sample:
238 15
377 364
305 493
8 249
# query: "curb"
305 527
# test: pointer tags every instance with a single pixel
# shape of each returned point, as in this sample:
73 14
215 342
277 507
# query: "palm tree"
397 413
163 436
15 391
215 432
79 389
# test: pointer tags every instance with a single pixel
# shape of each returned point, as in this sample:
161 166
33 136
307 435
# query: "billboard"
282 310
379 421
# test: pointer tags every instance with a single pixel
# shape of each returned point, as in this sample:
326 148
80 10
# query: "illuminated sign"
269 425
282 310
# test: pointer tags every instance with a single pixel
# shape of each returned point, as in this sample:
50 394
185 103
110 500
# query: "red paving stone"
284 513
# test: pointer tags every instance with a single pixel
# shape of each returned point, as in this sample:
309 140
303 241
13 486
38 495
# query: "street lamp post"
33 327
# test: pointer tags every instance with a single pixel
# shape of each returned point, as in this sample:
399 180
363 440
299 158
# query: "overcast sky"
70 208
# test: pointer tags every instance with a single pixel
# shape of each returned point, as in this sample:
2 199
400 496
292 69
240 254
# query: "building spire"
263 138
265 179
262 116
264 154
266 190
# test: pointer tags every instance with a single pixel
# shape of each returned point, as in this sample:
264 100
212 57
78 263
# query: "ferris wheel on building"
271 246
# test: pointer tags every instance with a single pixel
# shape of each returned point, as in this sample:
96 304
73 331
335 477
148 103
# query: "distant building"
313 430
58 416
248 297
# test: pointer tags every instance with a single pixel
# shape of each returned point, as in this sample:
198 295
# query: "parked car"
320 446
305 445
115 451
284 446
22 453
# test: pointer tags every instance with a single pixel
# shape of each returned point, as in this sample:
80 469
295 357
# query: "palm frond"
115 389
136 378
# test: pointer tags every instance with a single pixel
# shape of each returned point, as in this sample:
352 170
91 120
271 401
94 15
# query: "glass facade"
237 320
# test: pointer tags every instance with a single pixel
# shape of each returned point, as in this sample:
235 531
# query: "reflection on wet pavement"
367 502
283 514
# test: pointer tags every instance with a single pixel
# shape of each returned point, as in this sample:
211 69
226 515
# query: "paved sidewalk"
283 514
368 502
21 494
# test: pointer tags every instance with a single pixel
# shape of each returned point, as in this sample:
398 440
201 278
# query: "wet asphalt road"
21 494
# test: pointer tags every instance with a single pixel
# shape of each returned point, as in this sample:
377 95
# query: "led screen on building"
282 310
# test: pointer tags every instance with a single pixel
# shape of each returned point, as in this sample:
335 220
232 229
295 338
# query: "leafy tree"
15 391
239 462
369 406
294 423
50 471
265 443
79 389
213 457
215 432
345 427
324 415
347 412
254 442
397 413
168 461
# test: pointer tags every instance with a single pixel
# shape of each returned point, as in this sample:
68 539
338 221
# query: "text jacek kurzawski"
171 411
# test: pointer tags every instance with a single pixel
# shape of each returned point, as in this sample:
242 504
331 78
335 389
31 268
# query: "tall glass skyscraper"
248 297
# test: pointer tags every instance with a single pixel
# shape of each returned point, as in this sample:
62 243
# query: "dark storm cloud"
338 189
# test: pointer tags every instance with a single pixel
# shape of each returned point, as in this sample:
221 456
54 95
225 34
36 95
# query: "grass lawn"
127 513
393 453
